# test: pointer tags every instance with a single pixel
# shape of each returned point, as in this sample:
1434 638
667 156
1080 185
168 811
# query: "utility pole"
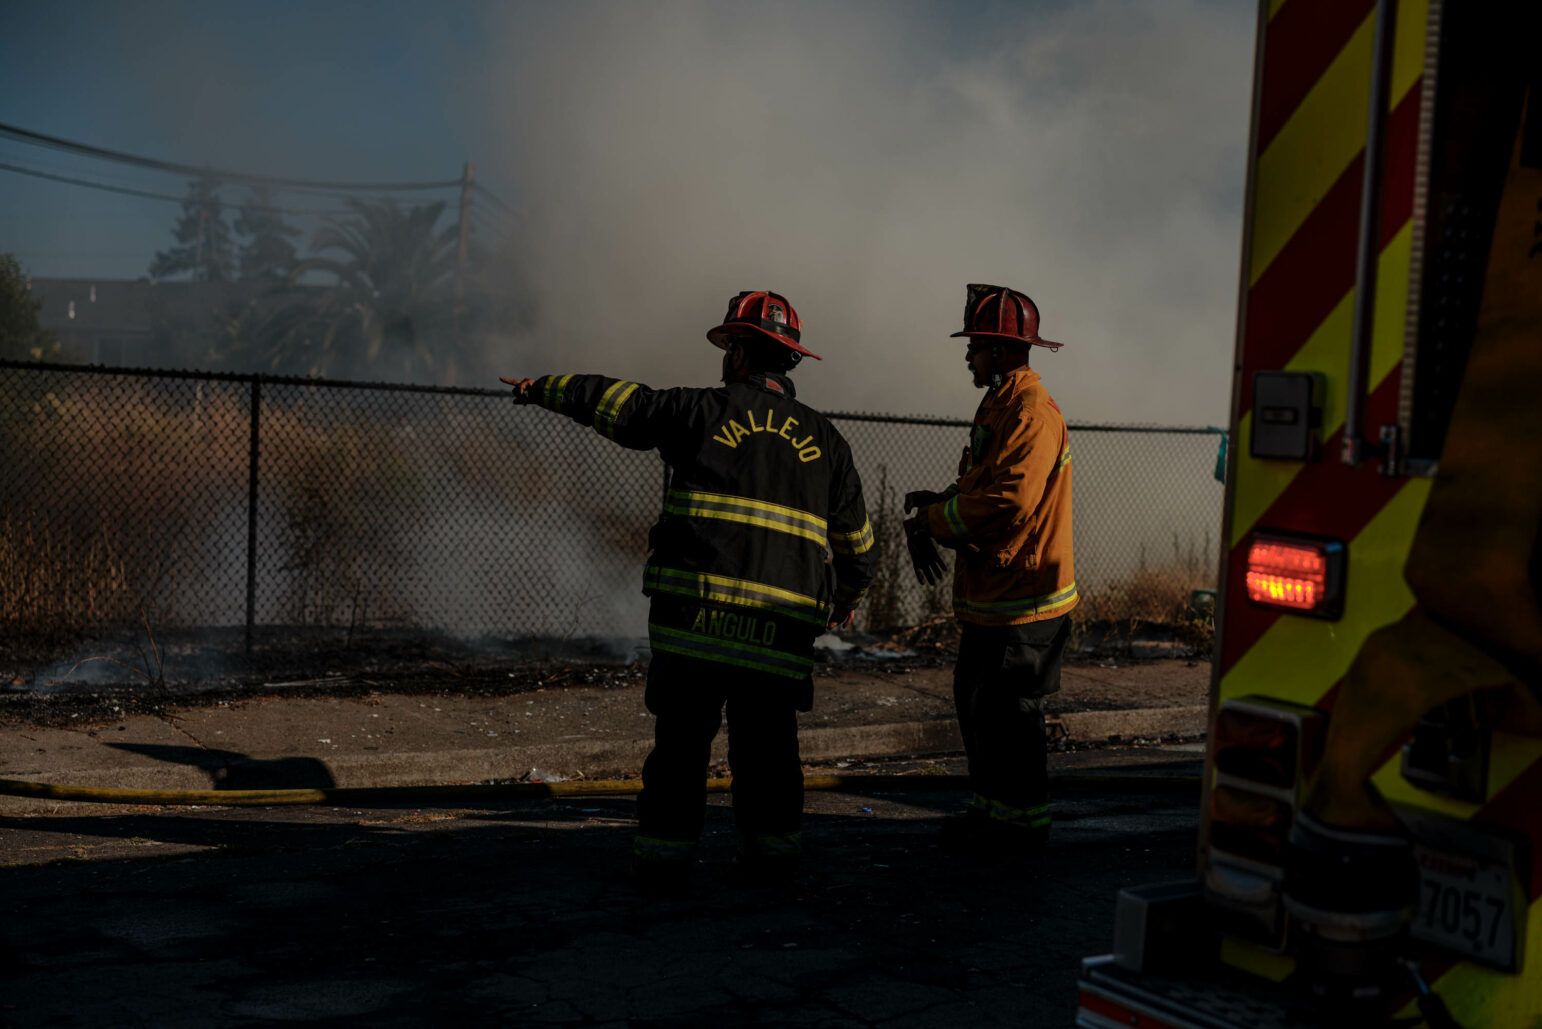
462 257
463 247
203 215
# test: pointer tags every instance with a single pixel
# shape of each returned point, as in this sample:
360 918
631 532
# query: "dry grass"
128 491
58 585
1154 595
886 594
1113 612
102 506
1160 596
125 490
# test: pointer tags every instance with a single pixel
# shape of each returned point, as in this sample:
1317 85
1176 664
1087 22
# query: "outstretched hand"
523 394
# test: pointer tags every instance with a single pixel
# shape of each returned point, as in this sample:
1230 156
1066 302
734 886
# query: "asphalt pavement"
523 914
519 912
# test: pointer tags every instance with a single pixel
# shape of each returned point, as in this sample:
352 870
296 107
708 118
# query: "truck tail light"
1296 573
1266 745
1262 750
1249 825
1256 747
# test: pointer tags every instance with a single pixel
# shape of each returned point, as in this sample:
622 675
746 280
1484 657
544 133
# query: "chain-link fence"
267 505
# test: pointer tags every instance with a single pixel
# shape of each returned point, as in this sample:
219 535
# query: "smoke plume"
868 160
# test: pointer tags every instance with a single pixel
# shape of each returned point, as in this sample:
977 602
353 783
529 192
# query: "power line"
494 219
70 146
150 195
130 177
489 220
489 194
26 255
490 235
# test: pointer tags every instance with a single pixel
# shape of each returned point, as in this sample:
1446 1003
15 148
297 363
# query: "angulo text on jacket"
732 626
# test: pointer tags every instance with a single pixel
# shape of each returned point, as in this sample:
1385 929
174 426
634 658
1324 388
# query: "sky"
866 159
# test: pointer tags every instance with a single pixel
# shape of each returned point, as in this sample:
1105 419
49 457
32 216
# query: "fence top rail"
1169 430
961 423
247 377
251 378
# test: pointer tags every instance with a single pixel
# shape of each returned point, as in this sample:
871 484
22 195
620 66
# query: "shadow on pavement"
229 770
523 915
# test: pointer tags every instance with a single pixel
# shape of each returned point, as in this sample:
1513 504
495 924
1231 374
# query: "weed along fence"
264 506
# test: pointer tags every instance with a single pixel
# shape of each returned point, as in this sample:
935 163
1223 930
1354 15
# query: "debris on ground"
937 636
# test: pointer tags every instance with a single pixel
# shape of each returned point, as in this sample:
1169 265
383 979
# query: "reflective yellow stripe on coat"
858 542
725 589
747 511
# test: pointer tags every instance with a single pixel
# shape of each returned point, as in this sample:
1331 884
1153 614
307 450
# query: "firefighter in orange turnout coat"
1008 517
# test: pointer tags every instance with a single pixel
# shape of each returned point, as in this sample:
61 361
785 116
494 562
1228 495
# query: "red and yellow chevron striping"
1311 33
1314 90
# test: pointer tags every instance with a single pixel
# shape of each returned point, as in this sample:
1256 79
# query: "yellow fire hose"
365 796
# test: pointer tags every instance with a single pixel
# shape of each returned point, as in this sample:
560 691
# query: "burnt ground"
115 676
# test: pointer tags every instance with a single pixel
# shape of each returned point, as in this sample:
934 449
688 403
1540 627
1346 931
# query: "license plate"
1467 904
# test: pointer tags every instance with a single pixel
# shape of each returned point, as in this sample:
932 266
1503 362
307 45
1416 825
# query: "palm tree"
390 308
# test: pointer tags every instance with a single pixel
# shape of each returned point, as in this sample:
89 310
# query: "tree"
266 252
20 337
391 305
205 248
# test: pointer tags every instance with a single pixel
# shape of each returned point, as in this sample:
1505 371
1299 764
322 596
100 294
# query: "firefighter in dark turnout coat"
763 542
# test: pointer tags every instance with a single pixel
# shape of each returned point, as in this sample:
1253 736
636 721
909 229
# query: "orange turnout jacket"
1012 503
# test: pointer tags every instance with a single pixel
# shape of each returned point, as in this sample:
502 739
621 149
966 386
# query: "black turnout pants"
999 685
688 697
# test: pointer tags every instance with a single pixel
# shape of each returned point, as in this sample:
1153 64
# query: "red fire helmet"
1002 313
764 312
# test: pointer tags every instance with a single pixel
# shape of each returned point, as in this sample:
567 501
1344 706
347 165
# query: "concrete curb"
593 759
1137 723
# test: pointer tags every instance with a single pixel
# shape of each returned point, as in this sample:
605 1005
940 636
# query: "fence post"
251 512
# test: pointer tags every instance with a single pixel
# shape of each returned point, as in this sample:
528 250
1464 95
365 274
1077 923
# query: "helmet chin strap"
995 378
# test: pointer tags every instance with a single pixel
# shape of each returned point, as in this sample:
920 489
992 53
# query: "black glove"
923 551
921 498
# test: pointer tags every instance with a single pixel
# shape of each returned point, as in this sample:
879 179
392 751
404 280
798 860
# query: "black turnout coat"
764 530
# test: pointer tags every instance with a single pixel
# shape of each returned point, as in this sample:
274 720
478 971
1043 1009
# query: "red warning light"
1295 574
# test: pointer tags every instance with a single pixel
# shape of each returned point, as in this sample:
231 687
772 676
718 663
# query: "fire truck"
1370 847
